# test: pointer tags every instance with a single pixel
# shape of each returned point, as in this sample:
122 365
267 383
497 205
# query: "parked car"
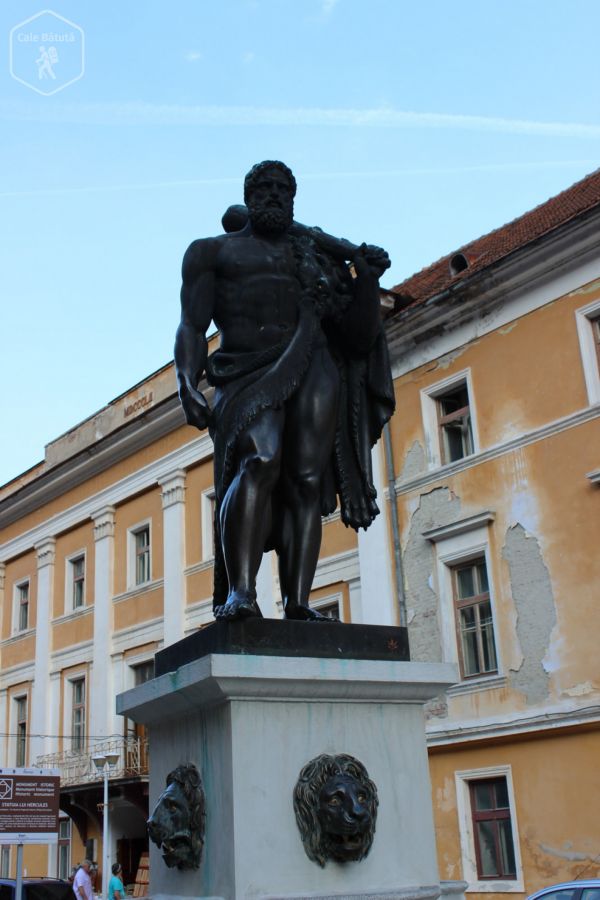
586 889
37 889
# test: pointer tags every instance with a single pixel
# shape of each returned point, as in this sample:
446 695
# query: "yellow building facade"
487 548
496 352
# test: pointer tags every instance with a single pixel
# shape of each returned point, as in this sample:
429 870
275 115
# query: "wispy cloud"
138 113
317 176
192 56
327 7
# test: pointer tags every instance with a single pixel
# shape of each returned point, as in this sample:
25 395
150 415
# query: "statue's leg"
246 511
309 433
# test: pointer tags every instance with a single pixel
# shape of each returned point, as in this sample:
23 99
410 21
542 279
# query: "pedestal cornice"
220 678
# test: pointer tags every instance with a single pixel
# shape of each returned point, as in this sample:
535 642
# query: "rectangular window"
207 517
454 422
331 608
474 622
64 848
588 332
137 748
21 756
143 672
78 715
492 829
78 581
23 606
449 419
5 861
595 323
142 555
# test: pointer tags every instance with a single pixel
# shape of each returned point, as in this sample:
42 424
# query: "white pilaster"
3 694
4 726
173 501
101 696
39 719
54 713
118 680
356 610
375 558
52 863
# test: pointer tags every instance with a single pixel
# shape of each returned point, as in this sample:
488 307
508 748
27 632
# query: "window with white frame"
64 848
21 730
143 672
588 332
492 828
328 606
466 596
21 606
595 323
78 715
454 419
474 621
5 861
207 520
449 420
137 745
142 555
75 582
139 555
488 830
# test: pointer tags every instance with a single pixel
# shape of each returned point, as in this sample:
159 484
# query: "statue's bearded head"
269 190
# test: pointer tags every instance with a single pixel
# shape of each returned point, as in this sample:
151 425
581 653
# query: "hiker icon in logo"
45 61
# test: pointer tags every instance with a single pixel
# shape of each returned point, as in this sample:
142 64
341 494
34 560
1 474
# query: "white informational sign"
29 804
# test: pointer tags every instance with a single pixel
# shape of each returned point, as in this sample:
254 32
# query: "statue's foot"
306 614
240 605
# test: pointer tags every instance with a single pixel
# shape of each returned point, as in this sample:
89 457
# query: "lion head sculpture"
177 821
335 803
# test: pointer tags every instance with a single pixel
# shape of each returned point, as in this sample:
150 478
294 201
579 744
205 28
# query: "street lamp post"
104 763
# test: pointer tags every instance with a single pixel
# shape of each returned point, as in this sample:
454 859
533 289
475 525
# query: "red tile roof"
484 251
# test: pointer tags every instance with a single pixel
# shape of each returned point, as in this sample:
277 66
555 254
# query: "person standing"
82 883
116 891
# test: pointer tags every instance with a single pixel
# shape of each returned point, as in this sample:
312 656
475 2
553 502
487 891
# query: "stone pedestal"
250 723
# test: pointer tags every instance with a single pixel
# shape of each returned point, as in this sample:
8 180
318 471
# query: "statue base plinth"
250 722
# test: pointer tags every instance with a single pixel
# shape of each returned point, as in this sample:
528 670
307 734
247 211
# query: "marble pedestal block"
250 723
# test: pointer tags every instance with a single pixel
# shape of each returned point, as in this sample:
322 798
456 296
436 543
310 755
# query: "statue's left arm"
362 322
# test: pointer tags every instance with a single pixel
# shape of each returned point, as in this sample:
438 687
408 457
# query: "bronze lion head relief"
178 819
335 803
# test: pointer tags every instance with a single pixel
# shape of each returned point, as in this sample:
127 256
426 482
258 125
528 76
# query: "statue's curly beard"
271 219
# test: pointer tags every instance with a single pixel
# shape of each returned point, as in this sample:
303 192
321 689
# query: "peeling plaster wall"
536 613
415 462
439 507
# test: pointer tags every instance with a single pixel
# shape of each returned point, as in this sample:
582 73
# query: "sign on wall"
29 804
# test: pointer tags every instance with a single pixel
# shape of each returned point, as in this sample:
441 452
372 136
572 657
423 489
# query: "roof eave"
532 263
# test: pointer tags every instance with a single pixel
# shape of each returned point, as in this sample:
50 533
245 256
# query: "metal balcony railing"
77 766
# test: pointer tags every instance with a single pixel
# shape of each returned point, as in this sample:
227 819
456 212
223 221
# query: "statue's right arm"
191 345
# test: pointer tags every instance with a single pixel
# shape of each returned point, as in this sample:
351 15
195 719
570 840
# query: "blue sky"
414 126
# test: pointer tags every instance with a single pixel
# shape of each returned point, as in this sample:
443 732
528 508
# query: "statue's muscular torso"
256 292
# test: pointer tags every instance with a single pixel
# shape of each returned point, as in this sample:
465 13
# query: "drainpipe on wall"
399 571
